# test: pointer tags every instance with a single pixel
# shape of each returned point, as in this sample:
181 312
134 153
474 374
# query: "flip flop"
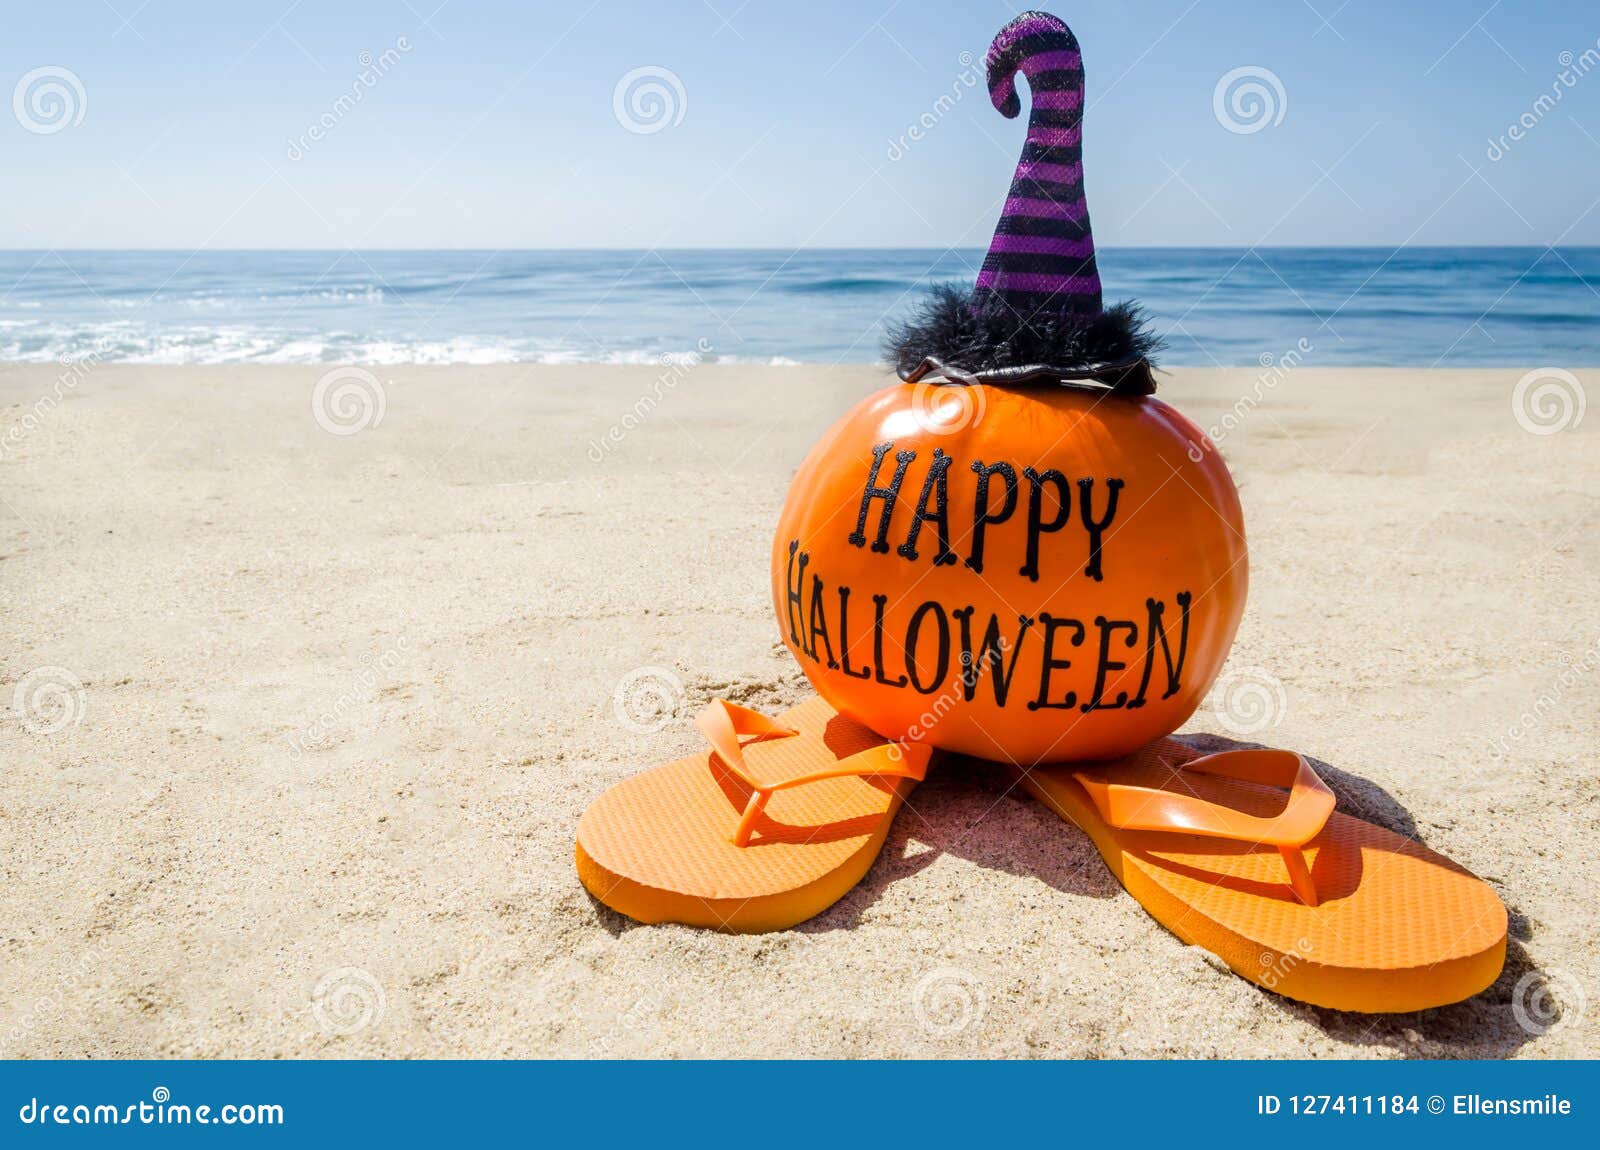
1293 895
749 835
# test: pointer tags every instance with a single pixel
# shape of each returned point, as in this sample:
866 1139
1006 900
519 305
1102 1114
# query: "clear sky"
496 125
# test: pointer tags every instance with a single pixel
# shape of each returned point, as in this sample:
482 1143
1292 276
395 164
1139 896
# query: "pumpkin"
1031 573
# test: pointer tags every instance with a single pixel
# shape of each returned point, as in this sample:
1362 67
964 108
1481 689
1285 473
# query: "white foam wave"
25 341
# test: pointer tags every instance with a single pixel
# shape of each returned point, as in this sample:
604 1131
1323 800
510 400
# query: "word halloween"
936 636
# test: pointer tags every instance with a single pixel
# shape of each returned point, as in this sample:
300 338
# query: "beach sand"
298 726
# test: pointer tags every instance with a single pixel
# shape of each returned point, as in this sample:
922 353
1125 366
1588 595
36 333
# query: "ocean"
1331 306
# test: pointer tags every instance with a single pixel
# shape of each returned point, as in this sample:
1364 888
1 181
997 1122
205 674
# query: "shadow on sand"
974 810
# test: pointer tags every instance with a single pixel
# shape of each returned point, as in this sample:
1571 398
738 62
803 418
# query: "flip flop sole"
1397 927
658 847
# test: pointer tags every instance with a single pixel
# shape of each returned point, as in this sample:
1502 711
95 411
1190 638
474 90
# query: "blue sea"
1413 306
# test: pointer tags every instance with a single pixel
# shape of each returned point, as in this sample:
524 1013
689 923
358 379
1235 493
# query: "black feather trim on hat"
955 336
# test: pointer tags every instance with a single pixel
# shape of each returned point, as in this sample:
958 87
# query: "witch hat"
1036 311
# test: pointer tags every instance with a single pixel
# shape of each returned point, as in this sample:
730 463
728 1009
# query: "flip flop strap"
723 723
1136 808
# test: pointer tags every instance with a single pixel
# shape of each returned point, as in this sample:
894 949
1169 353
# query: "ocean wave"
219 348
1382 306
842 285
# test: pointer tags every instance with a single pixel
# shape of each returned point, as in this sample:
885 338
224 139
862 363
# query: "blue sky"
494 124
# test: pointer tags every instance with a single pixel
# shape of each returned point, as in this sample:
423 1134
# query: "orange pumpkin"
1026 573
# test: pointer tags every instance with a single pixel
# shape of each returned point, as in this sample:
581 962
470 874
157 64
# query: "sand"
297 726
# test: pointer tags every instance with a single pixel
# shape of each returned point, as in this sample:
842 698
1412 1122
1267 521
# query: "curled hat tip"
1025 25
1031 43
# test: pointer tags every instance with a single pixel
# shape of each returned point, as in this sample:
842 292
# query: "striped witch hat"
1036 310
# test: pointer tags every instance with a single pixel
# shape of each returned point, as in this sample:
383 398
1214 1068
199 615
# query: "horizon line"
814 248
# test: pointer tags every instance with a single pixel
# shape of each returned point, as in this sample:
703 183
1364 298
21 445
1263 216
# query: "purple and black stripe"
1042 257
1035 314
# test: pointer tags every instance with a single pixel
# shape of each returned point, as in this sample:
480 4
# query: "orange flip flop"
1293 895
749 835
